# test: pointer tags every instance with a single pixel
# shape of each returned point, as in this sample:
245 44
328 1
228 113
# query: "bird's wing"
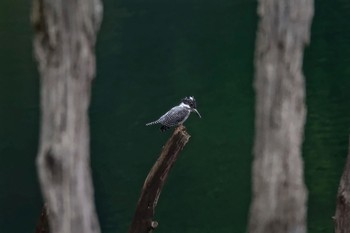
173 117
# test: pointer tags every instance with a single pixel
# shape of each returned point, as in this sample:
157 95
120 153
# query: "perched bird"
178 114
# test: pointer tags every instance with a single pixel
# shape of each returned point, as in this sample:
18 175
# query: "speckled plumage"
177 115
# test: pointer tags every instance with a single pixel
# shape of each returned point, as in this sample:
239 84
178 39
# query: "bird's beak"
195 110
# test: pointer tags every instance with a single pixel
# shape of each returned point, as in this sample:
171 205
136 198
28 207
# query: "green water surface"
150 54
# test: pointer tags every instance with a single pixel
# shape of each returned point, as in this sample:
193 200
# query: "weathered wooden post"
143 221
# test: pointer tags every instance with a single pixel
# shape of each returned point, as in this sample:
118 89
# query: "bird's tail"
153 123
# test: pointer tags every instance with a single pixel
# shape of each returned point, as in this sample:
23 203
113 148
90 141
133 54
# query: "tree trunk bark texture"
143 219
64 40
342 212
279 193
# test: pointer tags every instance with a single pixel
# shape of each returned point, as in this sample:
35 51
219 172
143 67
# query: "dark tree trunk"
342 212
64 38
143 219
42 225
279 193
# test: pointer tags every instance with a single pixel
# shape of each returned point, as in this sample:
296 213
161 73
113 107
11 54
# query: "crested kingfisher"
178 114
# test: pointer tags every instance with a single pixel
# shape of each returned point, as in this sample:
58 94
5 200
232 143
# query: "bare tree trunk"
279 193
64 39
342 212
143 219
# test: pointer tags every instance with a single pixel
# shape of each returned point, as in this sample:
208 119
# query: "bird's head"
191 102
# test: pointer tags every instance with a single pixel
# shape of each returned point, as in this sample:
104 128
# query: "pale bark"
143 221
342 213
279 192
64 39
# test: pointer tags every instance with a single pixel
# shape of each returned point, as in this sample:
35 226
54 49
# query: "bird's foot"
164 128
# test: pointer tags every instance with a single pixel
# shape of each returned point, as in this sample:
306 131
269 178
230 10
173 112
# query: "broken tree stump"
143 219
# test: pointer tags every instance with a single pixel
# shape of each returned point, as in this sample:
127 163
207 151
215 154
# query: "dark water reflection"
151 54
159 54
